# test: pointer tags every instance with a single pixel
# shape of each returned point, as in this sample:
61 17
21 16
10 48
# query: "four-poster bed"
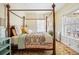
53 10
46 23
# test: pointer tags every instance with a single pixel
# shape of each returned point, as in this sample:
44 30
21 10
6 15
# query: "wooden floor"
61 49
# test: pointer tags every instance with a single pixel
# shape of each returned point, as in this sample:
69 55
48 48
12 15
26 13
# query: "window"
41 26
70 26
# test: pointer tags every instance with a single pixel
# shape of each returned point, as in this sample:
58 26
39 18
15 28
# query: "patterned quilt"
35 40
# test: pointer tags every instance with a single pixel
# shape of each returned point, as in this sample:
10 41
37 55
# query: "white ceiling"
35 6
73 13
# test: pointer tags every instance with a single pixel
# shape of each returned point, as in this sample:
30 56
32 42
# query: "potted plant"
51 33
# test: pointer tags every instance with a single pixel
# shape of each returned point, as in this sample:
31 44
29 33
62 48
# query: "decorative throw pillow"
14 32
24 30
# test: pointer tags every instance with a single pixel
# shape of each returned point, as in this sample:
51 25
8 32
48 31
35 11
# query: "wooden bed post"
54 39
23 21
46 23
8 20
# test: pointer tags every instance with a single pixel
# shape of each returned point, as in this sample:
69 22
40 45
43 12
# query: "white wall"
2 10
33 17
14 20
50 23
2 14
32 25
68 8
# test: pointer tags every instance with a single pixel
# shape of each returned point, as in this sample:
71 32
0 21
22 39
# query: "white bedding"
14 40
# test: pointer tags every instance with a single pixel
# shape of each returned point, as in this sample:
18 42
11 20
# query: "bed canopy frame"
53 10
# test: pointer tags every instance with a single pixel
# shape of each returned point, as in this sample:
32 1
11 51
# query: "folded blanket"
21 41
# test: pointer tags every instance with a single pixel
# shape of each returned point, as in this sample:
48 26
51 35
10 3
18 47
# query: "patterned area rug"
61 49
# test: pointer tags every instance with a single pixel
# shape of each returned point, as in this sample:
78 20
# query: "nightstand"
5 46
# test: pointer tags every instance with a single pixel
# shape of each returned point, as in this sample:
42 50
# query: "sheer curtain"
41 26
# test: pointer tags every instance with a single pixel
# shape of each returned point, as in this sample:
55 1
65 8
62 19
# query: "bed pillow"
18 30
14 32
